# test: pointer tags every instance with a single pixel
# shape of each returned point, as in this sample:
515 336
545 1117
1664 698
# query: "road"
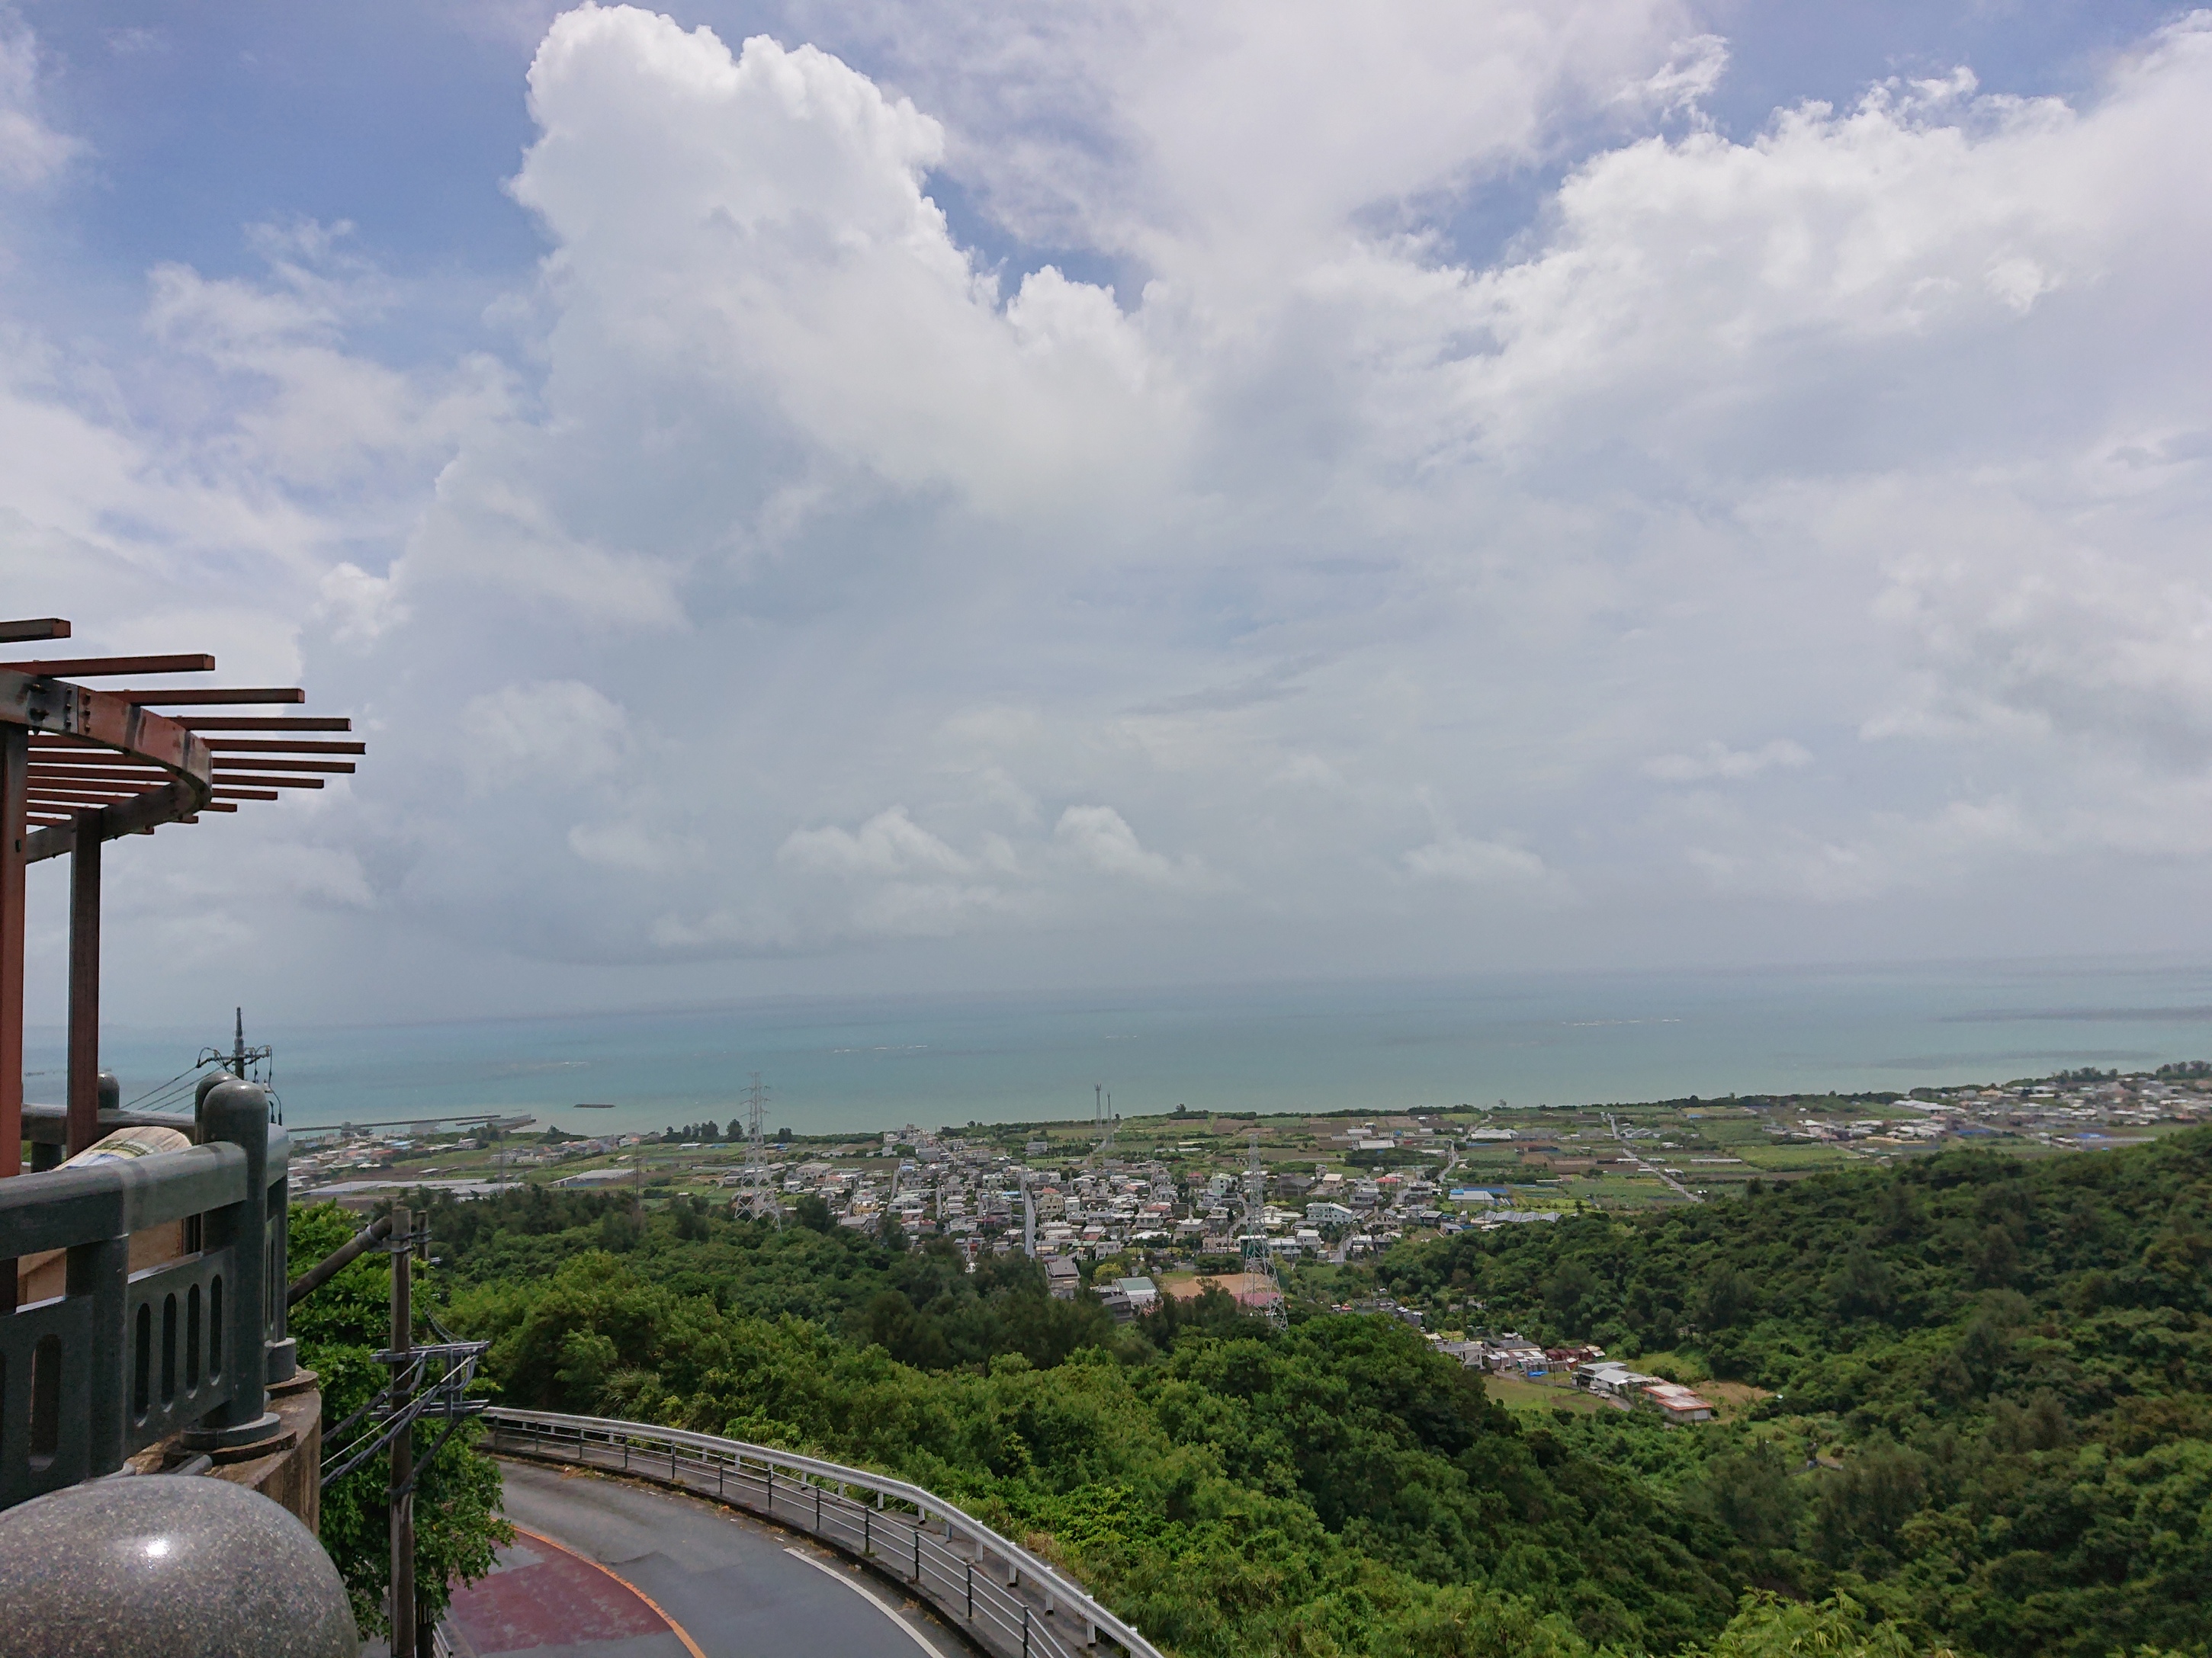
1646 1165
605 1568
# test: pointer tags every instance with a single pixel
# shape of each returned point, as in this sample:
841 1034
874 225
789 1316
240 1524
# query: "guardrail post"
283 1361
238 1112
101 1271
971 1591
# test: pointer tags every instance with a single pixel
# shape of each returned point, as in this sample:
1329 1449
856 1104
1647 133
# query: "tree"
1861 1285
1727 1297
458 1525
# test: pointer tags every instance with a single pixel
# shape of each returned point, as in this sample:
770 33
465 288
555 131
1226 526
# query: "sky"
963 496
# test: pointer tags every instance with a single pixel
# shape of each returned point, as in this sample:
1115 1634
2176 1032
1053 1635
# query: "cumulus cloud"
1712 761
547 735
1463 860
31 150
1101 838
1219 485
889 844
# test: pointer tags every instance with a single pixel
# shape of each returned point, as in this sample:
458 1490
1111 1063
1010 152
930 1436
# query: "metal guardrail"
1005 1599
121 1359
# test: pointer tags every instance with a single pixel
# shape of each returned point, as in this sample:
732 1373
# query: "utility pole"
402 1494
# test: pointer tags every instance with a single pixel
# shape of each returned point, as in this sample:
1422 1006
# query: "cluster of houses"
1589 1370
946 1187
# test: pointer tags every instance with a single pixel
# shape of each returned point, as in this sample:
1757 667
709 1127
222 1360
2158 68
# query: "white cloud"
1306 540
1463 860
31 150
1101 837
635 846
549 734
1712 761
889 844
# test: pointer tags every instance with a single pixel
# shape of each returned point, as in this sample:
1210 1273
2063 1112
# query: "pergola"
80 767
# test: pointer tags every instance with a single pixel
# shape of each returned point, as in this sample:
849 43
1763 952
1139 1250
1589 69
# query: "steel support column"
84 983
14 781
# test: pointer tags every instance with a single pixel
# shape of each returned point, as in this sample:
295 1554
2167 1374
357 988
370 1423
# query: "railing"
121 1359
1005 1599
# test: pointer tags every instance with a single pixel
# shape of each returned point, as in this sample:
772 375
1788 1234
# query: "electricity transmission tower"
760 1201
1258 1259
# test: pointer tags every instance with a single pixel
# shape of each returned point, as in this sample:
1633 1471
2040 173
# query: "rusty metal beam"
205 722
257 762
106 776
34 626
83 1114
141 814
49 751
265 694
106 667
73 797
279 745
14 853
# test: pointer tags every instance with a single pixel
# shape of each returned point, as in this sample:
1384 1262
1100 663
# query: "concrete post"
101 1271
283 1360
238 1113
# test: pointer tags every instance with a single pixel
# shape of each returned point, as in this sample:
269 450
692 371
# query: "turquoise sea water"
866 1064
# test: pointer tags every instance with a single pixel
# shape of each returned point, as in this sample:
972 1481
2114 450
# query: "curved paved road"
609 1570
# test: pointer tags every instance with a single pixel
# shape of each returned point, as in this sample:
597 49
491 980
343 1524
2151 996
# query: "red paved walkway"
544 1601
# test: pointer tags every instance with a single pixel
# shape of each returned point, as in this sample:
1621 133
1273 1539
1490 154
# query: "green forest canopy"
1990 1428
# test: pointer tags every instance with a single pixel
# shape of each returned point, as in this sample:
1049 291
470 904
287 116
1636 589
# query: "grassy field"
1516 1393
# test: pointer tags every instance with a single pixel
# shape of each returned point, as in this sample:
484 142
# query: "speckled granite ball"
166 1566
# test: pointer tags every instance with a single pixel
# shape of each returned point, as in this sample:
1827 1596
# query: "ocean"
866 1064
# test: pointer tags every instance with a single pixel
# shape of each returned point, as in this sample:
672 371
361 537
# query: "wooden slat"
244 795
34 626
105 667
240 781
266 694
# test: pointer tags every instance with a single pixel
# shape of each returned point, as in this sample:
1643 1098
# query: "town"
1131 1209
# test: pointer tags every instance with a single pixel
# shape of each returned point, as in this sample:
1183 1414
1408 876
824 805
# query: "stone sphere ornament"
166 1566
